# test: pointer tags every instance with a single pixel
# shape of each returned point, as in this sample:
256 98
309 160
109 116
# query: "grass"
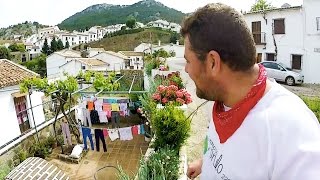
314 104
128 42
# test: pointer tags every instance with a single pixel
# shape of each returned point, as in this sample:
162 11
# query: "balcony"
259 38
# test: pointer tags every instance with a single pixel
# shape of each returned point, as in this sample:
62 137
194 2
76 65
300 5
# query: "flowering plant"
171 79
171 95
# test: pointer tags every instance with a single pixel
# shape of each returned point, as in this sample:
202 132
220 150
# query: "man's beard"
203 94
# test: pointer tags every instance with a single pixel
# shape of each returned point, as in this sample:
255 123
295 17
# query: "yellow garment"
115 107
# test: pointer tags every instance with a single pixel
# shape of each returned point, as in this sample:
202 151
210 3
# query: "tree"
60 45
38 65
131 23
45 48
17 47
261 5
54 45
67 45
174 37
4 53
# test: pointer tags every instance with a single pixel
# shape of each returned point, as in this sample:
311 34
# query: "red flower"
179 94
161 88
156 96
181 101
188 100
173 87
164 100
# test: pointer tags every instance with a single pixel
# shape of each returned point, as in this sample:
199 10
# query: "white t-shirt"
278 140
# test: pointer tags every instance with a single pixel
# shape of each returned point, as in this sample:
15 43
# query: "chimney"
159 43
177 42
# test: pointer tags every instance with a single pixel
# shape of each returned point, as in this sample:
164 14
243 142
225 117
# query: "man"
258 130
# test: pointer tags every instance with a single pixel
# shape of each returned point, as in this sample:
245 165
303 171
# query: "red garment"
134 130
227 122
90 105
105 132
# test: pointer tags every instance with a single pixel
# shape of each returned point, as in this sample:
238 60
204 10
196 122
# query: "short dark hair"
221 28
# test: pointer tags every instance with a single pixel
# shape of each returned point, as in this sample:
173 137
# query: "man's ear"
214 61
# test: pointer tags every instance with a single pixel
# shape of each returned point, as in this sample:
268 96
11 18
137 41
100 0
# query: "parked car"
280 72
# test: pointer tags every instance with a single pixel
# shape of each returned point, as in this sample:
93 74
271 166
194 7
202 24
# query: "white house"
75 65
57 59
48 30
98 31
159 23
14 123
115 60
290 35
136 59
175 27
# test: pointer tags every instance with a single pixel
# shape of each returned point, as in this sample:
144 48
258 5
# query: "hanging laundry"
122 100
66 133
115 107
90 105
87 121
86 132
135 130
98 105
110 101
103 117
139 129
142 129
125 133
107 108
94 117
105 132
113 134
98 133
115 119
124 108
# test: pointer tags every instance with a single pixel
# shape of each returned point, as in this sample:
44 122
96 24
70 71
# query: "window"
23 120
83 67
318 23
270 57
138 59
66 38
256 31
296 62
23 59
72 39
30 57
259 57
278 26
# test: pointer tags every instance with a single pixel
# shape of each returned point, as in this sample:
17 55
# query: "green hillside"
105 14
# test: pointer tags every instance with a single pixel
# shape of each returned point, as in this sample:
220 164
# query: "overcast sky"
52 12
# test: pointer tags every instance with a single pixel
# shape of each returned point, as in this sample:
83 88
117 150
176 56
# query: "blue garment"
142 129
109 101
86 132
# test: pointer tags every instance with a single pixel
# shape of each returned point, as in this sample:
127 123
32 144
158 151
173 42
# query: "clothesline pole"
98 93
119 78
34 122
134 77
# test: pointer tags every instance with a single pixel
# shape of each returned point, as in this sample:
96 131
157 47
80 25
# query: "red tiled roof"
12 74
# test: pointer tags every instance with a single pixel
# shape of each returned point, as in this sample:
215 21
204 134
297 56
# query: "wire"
108 166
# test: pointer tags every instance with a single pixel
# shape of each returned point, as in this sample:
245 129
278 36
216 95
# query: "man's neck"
238 86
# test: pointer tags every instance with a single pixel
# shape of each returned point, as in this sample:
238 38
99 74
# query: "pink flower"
181 101
179 94
161 88
188 100
173 87
156 96
164 100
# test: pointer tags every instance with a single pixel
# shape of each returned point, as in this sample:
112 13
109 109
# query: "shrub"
20 156
171 128
4 170
161 165
39 149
